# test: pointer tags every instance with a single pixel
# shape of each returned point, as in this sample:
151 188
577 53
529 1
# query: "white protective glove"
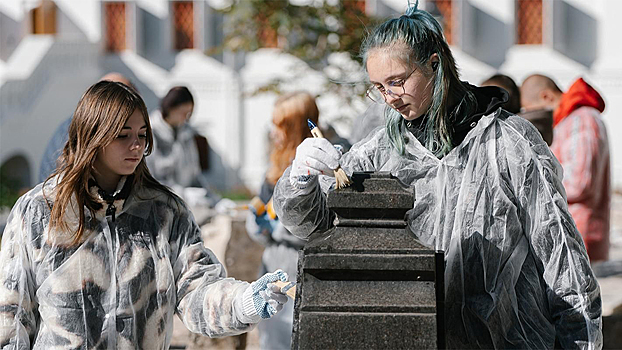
314 156
263 299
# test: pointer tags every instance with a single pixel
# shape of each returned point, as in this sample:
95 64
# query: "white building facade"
51 51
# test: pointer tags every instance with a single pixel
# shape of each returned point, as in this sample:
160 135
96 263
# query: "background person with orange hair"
289 119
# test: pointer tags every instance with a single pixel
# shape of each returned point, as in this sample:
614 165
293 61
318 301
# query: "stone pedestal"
368 283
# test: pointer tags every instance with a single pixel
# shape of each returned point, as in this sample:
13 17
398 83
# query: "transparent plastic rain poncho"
120 287
517 273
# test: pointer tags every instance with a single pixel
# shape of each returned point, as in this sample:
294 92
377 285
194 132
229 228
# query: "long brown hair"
100 116
290 115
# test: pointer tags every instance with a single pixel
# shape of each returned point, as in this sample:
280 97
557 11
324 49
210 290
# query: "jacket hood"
580 94
489 99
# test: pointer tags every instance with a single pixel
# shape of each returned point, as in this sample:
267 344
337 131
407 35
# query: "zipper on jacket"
111 210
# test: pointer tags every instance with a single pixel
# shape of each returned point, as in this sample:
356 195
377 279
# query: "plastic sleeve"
205 298
574 295
18 303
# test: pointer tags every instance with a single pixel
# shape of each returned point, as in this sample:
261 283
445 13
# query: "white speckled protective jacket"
120 286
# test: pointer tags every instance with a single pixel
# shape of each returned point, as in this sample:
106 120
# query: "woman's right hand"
314 156
263 299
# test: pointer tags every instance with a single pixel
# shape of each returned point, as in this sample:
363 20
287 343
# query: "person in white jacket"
102 255
488 193
175 160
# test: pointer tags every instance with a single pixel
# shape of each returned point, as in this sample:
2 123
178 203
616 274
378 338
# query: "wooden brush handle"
317 133
341 178
290 292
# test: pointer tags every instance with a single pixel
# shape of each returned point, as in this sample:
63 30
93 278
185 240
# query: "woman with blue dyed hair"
488 193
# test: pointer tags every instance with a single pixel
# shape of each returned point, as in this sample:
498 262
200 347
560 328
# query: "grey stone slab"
368 283
324 330
402 263
378 296
367 239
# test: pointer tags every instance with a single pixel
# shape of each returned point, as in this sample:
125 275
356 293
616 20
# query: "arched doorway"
14 180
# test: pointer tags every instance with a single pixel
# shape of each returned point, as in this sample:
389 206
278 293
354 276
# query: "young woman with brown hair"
101 255
289 118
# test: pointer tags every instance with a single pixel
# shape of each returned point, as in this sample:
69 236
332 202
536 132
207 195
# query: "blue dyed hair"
413 38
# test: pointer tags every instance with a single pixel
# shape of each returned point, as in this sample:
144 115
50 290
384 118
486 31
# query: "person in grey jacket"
488 193
176 161
101 255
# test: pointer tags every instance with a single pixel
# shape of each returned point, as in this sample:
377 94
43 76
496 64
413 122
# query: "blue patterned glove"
262 299
265 223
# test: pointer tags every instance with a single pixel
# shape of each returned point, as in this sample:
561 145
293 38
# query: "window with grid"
183 16
114 13
44 18
528 22
444 9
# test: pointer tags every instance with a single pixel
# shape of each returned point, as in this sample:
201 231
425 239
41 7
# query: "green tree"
325 34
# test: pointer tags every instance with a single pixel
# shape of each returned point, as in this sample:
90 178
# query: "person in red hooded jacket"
581 145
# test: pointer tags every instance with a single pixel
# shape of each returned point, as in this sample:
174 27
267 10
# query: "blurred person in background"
179 152
507 84
542 119
581 145
488 193
101 255
59 138
289 119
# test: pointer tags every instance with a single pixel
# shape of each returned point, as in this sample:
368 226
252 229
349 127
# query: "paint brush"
341 178
289 288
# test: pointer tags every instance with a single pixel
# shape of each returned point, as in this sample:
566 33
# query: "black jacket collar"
488 99
105 197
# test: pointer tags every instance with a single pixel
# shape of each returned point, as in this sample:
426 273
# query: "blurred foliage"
237 194
313 33
9 190
308 32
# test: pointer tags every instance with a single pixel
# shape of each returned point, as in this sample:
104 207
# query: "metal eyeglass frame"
374 94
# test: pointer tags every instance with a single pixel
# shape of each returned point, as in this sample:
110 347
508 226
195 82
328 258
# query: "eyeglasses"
379 94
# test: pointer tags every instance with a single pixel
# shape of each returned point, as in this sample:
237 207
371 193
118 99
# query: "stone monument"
367 283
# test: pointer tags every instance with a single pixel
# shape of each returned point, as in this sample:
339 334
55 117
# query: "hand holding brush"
316 156
340 176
